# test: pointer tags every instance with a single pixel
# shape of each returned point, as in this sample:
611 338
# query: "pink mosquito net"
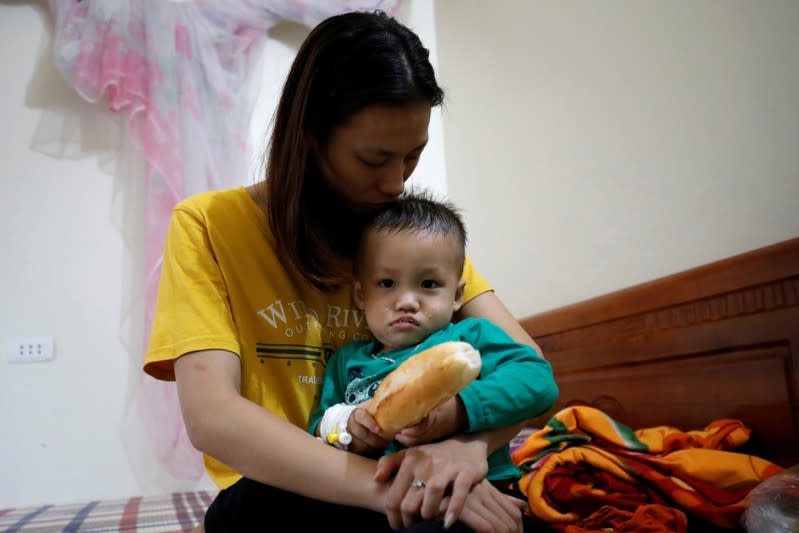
180 79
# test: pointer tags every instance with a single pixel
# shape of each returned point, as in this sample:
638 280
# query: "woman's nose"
393 184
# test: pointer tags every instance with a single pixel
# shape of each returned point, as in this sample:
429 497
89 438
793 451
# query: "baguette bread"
422 383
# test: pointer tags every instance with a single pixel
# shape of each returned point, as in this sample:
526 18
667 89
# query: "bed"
715 342
718 341
171 513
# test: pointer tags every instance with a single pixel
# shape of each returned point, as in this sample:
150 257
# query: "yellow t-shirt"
222 287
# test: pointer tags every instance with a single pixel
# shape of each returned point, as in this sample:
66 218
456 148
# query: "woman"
254 297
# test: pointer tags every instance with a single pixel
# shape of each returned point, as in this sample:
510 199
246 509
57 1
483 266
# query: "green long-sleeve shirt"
514 383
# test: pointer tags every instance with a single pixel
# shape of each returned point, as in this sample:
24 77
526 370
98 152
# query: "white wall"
71 268
596 145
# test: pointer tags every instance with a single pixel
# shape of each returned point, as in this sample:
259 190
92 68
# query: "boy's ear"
357 294
458 303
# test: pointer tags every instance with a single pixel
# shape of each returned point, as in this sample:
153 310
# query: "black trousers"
249 506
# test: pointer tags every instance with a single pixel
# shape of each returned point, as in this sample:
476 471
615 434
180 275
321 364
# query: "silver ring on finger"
418 484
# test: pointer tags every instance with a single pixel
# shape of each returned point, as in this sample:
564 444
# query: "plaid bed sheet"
171 513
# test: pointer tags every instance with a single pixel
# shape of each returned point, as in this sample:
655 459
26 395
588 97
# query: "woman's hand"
453 465
447 419
488 510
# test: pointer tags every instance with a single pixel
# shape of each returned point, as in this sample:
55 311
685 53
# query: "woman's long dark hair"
348 62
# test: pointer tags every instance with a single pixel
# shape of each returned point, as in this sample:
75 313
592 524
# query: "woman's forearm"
268 449
261 445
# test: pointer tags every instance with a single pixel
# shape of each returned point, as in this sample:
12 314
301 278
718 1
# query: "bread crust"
422 383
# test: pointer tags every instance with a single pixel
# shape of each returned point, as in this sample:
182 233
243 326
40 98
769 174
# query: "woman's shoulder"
226 215
223 209
209 201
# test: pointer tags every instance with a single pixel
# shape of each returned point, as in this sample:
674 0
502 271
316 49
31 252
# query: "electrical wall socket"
30 350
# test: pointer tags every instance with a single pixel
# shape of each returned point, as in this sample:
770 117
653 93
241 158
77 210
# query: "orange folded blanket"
583 460
646 519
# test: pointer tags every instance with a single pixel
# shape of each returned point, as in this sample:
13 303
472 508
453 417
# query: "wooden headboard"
717 341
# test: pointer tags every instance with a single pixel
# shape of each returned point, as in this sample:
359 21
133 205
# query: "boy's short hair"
418 212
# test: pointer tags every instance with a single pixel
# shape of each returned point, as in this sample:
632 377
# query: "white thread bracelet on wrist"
333 426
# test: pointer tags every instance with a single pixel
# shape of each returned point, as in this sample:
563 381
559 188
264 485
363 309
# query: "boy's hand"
446 419
365 432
